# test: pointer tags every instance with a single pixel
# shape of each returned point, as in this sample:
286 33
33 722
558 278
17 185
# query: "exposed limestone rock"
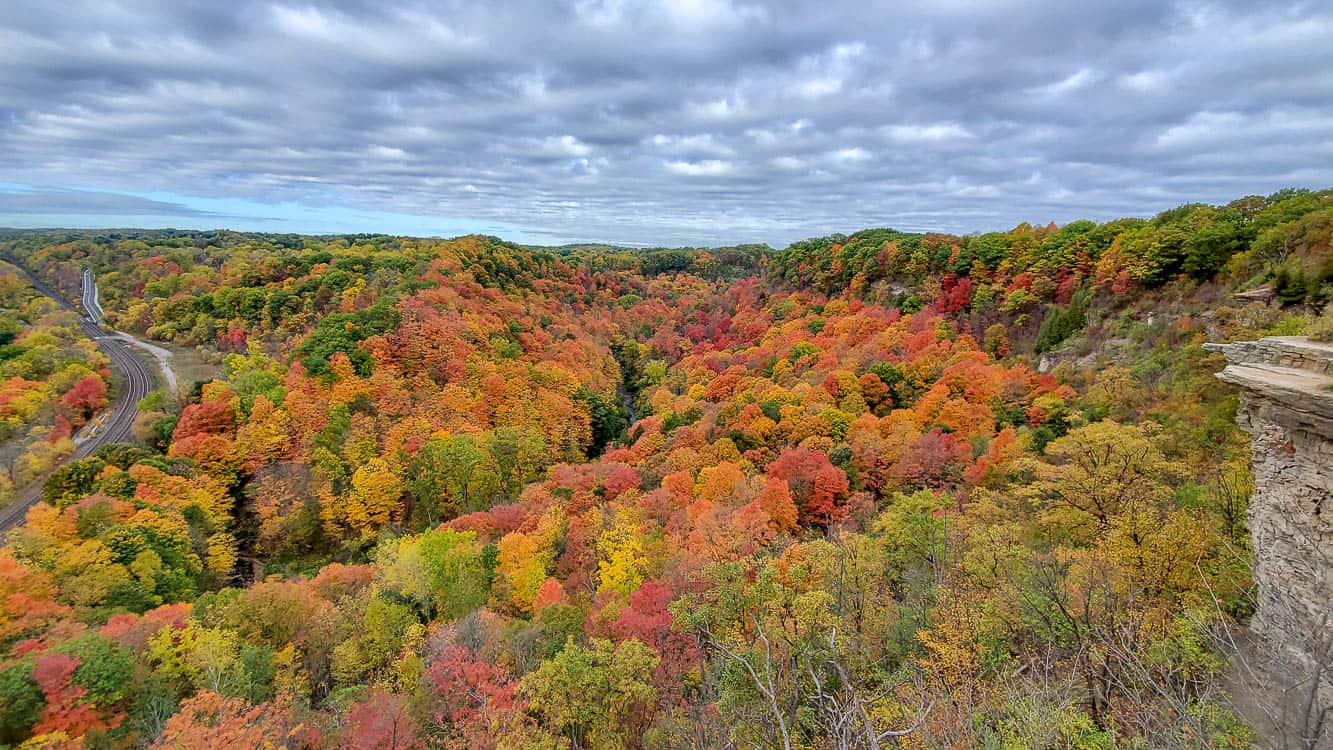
1287 407
1262 294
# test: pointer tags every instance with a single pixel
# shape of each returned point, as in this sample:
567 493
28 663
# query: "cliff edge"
1287 408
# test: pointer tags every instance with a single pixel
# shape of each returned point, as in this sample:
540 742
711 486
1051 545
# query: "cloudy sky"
688 122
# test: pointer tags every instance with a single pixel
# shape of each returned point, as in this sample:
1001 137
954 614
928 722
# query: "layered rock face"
1287 406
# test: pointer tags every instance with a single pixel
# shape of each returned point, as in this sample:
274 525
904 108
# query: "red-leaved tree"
817 486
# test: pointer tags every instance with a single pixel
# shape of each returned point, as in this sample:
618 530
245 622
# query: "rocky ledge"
1293 373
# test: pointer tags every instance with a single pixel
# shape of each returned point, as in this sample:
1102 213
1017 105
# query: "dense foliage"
868 491
53 380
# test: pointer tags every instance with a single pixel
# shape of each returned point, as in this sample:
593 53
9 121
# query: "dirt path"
162 356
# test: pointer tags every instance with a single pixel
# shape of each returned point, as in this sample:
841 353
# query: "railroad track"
90 303
136 384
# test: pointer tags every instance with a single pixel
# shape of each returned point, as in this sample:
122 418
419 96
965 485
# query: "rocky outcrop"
1263 294
1287 407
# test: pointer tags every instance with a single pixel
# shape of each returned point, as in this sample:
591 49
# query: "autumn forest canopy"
876 490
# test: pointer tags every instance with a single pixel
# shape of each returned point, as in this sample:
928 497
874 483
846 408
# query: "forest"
52 381
876 490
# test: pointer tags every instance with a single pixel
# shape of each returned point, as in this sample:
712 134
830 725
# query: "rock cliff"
1287 407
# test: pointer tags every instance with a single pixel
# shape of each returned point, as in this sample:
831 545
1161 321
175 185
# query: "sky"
693 122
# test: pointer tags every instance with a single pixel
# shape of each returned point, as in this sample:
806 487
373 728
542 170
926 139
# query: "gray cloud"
56 202
690 121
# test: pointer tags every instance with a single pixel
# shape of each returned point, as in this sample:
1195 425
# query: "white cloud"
699 143
820 87
719 14
706 168
934 132
852 155
565 145
1076 81
386 152
717 109
308 21
1146 80
1200 128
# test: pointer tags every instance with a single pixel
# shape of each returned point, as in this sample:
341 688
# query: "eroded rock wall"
1287 407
